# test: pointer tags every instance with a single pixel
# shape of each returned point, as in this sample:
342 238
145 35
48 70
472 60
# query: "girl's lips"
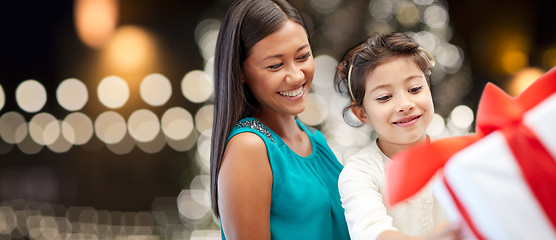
407 121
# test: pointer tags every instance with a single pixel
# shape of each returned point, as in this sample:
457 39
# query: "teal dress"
305 200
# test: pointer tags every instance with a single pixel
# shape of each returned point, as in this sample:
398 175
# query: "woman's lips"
293 93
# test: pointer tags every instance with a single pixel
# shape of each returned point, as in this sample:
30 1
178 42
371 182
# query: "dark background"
38 41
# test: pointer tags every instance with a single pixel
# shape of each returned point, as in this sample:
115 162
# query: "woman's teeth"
292 93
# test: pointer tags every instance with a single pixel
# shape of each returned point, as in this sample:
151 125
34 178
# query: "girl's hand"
446 231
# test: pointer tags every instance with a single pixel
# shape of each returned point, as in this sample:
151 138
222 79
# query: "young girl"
387 80
271 176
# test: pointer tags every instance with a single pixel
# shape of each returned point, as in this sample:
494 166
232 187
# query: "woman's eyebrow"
281 55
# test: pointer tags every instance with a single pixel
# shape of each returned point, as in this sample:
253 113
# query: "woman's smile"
293 93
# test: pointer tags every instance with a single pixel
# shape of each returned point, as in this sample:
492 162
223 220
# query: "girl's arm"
245 188
362 201
365 209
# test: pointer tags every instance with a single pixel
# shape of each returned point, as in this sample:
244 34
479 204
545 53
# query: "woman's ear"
360 113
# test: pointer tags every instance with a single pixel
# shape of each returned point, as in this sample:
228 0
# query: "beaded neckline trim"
255 125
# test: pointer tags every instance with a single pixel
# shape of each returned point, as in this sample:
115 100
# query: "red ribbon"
411 169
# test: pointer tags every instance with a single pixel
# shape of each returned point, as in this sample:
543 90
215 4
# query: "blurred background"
106 105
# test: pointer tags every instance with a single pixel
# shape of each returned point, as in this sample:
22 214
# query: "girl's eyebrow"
386 85
379 87
281 55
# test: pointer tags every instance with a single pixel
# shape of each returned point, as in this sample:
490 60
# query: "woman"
271 176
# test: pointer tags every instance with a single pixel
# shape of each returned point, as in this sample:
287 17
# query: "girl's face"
397 102
279 70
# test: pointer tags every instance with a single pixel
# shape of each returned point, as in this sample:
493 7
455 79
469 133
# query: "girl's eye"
275 66
415 89
383 99
307 55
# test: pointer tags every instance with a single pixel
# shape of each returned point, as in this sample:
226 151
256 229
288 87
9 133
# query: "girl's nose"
404 103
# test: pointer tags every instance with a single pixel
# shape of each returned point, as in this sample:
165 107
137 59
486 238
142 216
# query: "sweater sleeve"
360 187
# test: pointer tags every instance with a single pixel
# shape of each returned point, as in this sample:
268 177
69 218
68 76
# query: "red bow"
410 170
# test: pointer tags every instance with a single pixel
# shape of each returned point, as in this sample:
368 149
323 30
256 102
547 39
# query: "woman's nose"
295 74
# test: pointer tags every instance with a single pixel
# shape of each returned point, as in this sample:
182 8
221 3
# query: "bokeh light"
110 127
143 125
44 128
154 145
450 57
189 205
30 95
77 128
13 127
513 61
324 6
344 135
202 157
523 79
131 49
29 146
60 144
9 221
2 97
95 20
381 9
507 51
209 67
72 94
426 40
155 89
336 104
462 116
177 123
113 92
205 235
123 146
407 14
325 69
423 2
197 86
315 110
183 145
204 27
435 16
437 126
203 118
200 182
206 34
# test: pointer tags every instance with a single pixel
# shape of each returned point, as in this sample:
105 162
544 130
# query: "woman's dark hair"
246 23
366 56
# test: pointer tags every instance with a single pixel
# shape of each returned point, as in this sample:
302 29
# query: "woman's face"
279 70
397 102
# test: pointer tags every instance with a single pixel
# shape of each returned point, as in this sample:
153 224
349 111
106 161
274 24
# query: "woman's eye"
415 89
383 99
275 66
307 55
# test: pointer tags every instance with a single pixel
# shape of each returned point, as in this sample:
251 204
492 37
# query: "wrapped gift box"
501 181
